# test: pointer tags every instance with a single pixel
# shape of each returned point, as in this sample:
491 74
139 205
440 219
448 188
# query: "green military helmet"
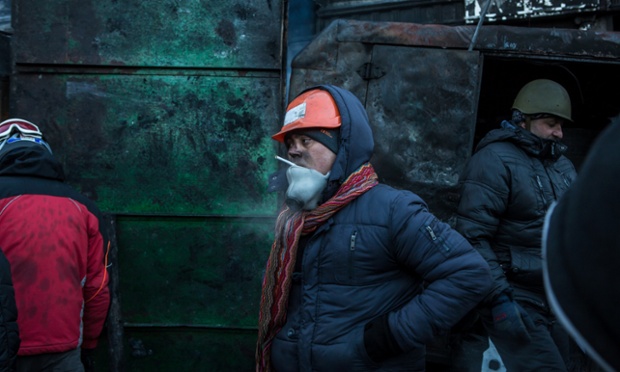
544 96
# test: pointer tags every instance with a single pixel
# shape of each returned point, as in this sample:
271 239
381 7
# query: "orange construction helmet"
314 108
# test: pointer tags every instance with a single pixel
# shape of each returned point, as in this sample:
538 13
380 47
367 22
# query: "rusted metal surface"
219 34
413 11
560 43
565 43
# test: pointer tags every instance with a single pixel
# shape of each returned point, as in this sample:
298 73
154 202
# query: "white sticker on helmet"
295 113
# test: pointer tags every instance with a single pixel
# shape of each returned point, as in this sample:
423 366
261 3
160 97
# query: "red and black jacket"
53 237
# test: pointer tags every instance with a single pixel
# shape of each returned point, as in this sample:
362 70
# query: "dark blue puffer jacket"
383 254
507 187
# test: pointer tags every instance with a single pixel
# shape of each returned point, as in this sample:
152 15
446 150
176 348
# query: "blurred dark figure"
581 253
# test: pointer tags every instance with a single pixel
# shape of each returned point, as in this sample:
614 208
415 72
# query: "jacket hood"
356 139
30 159
524 139
355 147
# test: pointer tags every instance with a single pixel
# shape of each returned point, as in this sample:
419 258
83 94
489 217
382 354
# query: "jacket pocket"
433 230
348 354
526 266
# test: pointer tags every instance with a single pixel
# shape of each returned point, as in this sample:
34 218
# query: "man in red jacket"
54 239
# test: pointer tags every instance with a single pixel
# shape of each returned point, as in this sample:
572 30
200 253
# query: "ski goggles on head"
18 137
11 126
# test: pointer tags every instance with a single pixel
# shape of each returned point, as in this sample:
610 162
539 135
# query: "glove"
509 317
88 359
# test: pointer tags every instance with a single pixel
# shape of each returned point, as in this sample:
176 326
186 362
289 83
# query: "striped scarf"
290 226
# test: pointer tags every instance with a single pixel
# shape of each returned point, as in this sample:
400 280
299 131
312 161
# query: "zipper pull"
542 190
431 232
353 237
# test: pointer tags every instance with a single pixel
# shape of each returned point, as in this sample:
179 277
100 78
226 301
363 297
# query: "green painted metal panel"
178 33
192 271
161 112
183 349
168 144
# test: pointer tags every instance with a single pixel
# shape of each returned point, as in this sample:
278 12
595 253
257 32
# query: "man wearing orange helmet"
54 239
515 174
361 275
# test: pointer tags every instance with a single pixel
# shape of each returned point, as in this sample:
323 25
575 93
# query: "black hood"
24 158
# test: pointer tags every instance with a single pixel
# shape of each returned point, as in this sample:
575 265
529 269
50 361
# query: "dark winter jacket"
53 237
507 187
383 259
9 333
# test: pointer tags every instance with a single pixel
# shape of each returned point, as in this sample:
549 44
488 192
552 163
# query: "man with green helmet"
515 174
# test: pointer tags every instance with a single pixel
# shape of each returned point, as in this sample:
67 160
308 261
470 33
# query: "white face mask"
305 186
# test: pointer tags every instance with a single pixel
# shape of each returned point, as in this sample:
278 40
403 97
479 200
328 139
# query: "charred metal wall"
572 14
161 112
421 86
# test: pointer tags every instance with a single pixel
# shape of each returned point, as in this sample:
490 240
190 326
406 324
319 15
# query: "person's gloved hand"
88 359
510 318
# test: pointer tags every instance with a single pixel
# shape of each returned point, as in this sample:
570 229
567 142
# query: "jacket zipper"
565 179
542 190
431 233
351 252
